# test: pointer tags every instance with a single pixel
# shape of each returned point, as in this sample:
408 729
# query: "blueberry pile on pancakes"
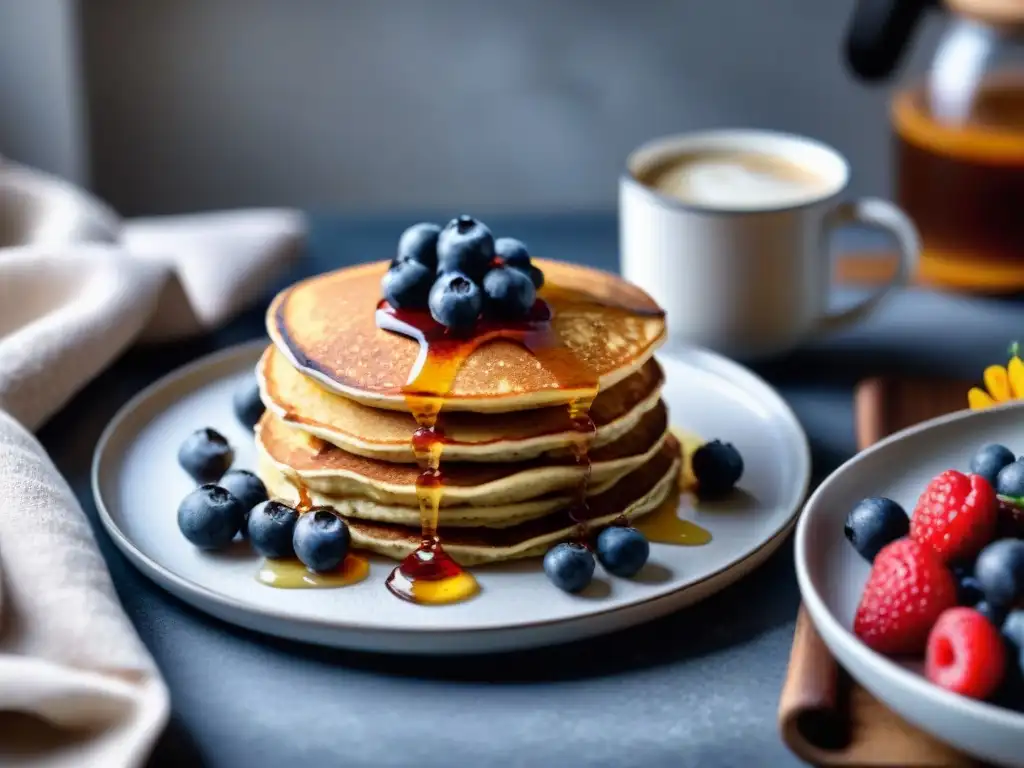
511 355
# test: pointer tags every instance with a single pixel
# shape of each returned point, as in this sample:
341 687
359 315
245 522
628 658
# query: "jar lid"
999 13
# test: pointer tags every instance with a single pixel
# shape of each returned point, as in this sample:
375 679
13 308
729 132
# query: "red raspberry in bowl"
965 654
909 587
956 515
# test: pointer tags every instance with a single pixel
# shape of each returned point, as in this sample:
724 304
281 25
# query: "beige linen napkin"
77 687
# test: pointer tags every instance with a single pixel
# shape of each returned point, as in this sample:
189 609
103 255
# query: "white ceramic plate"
832 575
138 484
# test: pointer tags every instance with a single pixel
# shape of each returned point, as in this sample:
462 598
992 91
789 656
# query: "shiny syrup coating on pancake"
429 575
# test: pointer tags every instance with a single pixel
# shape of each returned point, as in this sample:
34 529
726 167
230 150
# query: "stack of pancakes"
338 431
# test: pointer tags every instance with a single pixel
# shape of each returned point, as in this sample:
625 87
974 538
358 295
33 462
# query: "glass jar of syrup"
958 134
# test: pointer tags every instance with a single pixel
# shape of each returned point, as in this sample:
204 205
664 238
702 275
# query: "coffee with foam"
736 179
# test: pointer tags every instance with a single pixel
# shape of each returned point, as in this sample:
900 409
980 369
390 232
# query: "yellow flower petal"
978 399
997 383
1015 370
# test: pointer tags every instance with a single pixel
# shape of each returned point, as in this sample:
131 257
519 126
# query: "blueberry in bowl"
419 243
406 285
569 566
873 523
622 551
717 466
244 486
1010 480
321 539
455 301
271 529
209 517
999 570
465 245
205 455
508 294
990 459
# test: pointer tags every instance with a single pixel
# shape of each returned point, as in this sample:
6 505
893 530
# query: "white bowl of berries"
910 559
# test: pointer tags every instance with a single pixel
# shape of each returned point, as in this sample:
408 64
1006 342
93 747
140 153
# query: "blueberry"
873 523
536 276
205 455
968 591
993 613
209 517
1000 571
455 301
407 285
465 245
247 403
1013 628
990 459
245 487
1010 480
622 551
419 243
717 467
512 252
271 527
508 294
570 567
321 539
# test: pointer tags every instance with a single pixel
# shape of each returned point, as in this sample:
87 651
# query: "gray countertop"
698 688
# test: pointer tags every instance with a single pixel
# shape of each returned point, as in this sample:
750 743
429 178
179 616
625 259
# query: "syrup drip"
291 574
429 575
664 525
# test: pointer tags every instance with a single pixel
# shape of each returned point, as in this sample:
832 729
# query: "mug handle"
880 214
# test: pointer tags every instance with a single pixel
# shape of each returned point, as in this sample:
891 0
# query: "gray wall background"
371 105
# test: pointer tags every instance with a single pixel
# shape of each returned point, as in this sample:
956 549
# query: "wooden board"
826 718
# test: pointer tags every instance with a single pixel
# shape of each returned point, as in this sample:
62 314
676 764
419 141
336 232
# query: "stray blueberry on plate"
244 486
455 301
569 566
508 294
622 551
205 455
271 528
209 517
465 245
990 459
321 539
407 285
873 523
247 404
718 467
999 570
419 243
1010 480
512 252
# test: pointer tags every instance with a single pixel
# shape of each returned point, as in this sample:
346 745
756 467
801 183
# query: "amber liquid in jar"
963 184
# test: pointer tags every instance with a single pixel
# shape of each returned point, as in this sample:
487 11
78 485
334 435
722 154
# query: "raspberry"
965 654
909 587
956 515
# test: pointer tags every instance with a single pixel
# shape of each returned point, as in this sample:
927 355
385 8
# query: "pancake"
640 492
281 488
327 328
387 435
326 468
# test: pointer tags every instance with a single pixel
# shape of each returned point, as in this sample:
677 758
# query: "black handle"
878 34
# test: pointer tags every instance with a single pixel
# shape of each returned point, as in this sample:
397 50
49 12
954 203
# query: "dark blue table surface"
698 688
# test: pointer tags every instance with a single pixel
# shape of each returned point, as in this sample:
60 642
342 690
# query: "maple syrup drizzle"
290 573
429 575
664 525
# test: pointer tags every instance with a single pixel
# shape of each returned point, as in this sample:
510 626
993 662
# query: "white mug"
750 281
